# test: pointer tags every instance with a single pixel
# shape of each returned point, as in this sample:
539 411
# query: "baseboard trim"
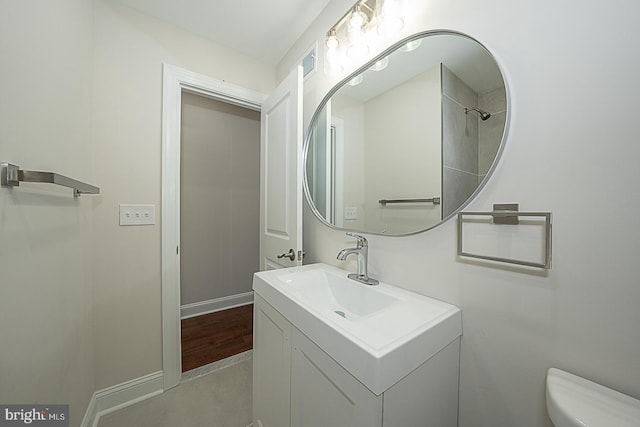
122 395
216 366
213 305
91 414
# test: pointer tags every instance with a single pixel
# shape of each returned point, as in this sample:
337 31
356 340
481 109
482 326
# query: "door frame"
175 80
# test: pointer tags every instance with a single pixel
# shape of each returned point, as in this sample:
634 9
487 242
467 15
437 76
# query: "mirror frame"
363 68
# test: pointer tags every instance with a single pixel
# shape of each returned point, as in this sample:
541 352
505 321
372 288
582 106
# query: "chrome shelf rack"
12 176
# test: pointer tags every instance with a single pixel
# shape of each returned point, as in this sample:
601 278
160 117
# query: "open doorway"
177 81
281 123
219 227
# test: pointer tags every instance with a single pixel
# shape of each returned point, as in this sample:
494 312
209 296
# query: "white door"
281 175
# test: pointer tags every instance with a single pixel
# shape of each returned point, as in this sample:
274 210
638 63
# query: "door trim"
174 81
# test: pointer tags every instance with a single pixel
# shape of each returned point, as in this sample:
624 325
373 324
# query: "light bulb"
412 45
380 65
357 19
332 40
356 80
390 21
332 61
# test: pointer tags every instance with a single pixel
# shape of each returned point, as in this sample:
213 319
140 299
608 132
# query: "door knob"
291 255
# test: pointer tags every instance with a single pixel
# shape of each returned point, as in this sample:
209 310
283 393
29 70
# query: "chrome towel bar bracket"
12 176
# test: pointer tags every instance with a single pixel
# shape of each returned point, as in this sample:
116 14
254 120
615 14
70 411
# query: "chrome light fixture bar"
362 10
351 35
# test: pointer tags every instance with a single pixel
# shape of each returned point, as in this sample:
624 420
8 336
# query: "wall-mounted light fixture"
350 38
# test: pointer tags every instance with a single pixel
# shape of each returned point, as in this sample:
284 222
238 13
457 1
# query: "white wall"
46 346
130 49
81 86
402 154
219 199
571 149
351 113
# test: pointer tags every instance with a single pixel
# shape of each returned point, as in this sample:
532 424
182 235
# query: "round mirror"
409 139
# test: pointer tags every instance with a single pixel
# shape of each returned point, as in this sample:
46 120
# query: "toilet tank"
573 401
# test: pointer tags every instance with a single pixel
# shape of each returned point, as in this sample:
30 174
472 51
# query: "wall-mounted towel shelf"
12 176
509 214
385 202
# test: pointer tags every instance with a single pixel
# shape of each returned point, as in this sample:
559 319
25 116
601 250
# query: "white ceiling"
263 29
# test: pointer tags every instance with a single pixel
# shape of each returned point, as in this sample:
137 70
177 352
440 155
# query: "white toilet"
573 401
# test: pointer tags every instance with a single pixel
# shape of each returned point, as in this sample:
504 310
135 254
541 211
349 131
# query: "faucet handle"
362 241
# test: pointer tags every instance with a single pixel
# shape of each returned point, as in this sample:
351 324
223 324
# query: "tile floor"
221 398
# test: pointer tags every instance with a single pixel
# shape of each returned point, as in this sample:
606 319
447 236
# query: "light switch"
137 214
351 213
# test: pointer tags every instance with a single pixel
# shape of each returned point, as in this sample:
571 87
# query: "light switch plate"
137 214
351 213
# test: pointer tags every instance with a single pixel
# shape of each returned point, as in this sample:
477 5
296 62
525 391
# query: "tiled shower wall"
490 131
459 142
469 144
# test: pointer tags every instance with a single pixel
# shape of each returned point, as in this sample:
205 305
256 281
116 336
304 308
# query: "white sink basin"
326 292
377 333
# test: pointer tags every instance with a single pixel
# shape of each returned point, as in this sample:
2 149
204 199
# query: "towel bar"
434 200
509 214
12 175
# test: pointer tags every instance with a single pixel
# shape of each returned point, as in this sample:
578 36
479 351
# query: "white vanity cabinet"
297 384
271 366
324 394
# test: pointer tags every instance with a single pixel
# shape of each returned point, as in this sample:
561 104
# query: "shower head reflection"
484 115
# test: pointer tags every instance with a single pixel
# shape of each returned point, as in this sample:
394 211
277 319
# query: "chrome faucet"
362 251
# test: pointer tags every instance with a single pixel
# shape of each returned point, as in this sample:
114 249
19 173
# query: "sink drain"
340 313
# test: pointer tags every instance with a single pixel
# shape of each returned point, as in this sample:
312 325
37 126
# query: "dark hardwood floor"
212 337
